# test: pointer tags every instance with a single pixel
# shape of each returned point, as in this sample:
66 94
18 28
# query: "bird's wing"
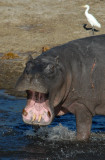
92 20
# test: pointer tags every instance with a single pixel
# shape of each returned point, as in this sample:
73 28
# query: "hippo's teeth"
39 119
33 118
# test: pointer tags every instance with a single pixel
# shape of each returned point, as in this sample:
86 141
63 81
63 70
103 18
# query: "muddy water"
56 141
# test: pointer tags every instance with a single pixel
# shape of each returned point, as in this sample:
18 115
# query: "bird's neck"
87 9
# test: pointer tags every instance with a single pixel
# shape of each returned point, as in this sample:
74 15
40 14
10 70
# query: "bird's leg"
93 31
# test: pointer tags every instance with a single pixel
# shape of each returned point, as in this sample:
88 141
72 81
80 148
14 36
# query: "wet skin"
66 78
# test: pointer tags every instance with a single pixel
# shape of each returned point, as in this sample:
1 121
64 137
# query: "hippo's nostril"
24 112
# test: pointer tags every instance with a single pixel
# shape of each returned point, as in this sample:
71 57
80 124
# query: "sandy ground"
27 25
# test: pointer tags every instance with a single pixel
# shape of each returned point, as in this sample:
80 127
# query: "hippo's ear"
30 58
57 59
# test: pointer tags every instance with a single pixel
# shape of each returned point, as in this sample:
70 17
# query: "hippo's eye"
50 68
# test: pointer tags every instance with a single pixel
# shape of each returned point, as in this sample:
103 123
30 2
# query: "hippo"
66 78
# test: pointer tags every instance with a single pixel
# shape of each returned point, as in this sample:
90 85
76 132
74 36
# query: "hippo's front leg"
83 121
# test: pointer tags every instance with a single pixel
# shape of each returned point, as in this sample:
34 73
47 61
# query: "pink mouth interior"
37 110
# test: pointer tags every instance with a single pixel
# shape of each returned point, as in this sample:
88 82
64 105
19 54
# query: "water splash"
61 133
58 133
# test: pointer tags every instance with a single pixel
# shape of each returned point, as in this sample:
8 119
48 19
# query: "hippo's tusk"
49 114
39 119
33 118
24 112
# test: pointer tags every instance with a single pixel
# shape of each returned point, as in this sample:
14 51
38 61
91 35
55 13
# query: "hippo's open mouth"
37 110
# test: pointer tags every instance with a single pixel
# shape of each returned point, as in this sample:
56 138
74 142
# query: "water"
54 142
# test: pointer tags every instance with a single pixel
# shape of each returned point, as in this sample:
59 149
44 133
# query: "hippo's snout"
37 110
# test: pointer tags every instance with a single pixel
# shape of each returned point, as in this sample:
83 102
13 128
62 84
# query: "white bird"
91 19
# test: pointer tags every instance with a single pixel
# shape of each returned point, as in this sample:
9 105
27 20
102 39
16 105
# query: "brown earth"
28 25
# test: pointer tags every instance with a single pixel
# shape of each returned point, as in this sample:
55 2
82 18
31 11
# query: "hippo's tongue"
37 110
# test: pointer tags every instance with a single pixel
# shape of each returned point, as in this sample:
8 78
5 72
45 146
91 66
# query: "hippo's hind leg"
83 122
